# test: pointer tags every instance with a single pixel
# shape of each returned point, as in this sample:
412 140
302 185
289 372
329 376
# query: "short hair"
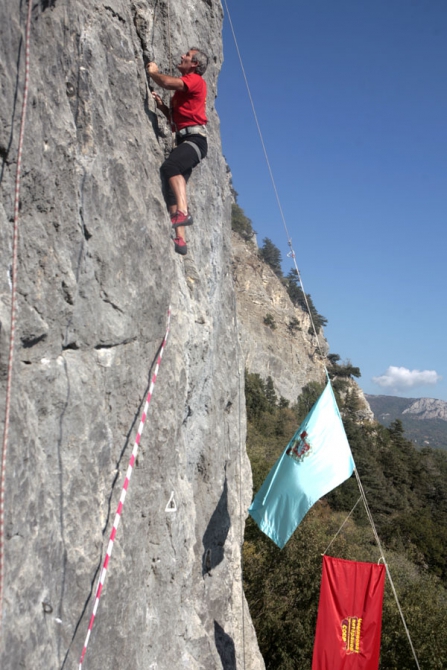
201 59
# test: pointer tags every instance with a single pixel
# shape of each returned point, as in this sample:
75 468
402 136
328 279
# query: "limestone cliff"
97 273
290 356
293 358
428 408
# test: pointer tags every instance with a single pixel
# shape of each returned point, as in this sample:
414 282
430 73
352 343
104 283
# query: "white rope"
241 380
173 133
341 528
289 239
292 255
14 267
169 37
379 544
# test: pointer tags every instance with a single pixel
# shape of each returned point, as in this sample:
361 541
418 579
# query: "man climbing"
187 116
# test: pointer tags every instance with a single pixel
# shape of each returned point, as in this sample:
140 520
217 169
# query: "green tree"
240 223
407 494
299 299
308 397
294 325
271 255
344 369
270 393
255 398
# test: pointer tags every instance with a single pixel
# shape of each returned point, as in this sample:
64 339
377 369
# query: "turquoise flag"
316 460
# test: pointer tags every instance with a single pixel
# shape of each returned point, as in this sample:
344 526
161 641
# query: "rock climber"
187 115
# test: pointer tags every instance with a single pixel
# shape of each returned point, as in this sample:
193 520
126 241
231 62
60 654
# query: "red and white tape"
124 492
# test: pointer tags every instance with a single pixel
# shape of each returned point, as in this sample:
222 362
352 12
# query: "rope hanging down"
240 447
119 510
13 305
289 239
292 255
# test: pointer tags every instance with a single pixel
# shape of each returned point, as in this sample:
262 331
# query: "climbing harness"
195 147
13 305
119 510
192 130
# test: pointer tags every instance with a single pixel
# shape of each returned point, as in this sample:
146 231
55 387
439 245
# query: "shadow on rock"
225 647
216 534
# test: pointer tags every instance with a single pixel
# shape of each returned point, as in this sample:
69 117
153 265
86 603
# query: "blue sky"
351 97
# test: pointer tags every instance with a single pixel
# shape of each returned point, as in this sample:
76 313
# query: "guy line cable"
292 255
379 544
289 239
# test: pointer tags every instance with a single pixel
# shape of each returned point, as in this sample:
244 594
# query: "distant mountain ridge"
428 408
424 419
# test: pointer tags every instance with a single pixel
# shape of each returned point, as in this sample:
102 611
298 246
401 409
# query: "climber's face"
186 63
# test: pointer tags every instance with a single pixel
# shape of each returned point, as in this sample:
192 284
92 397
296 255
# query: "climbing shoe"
181 219
180 246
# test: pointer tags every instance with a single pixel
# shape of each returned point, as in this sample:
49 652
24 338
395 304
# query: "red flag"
349 616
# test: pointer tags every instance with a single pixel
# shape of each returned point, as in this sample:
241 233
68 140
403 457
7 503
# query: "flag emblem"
350 634
299 448
349 618
316 460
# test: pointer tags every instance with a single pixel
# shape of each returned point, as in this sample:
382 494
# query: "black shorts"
182 160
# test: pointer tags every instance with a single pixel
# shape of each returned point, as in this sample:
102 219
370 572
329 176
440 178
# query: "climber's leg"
176 171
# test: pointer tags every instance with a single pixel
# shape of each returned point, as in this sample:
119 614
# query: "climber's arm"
165 80
161 105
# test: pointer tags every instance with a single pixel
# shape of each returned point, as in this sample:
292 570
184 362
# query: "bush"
240 223
270 321
294 325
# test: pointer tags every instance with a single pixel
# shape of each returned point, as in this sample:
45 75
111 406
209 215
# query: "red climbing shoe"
180 246
181 219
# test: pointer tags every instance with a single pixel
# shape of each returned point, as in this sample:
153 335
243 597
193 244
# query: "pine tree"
304 301
272 256
240 223
270 393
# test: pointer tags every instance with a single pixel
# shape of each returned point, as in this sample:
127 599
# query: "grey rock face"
97 272
428 408
291 358
365 412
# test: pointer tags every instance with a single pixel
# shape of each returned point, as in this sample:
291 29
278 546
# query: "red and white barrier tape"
124 492
13 305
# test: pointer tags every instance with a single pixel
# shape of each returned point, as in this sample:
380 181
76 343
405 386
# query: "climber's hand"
158 100
152 68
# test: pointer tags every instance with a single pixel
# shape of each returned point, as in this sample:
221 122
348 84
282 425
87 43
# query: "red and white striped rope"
13 307
124 492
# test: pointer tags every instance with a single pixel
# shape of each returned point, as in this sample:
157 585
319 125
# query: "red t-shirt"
188 107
